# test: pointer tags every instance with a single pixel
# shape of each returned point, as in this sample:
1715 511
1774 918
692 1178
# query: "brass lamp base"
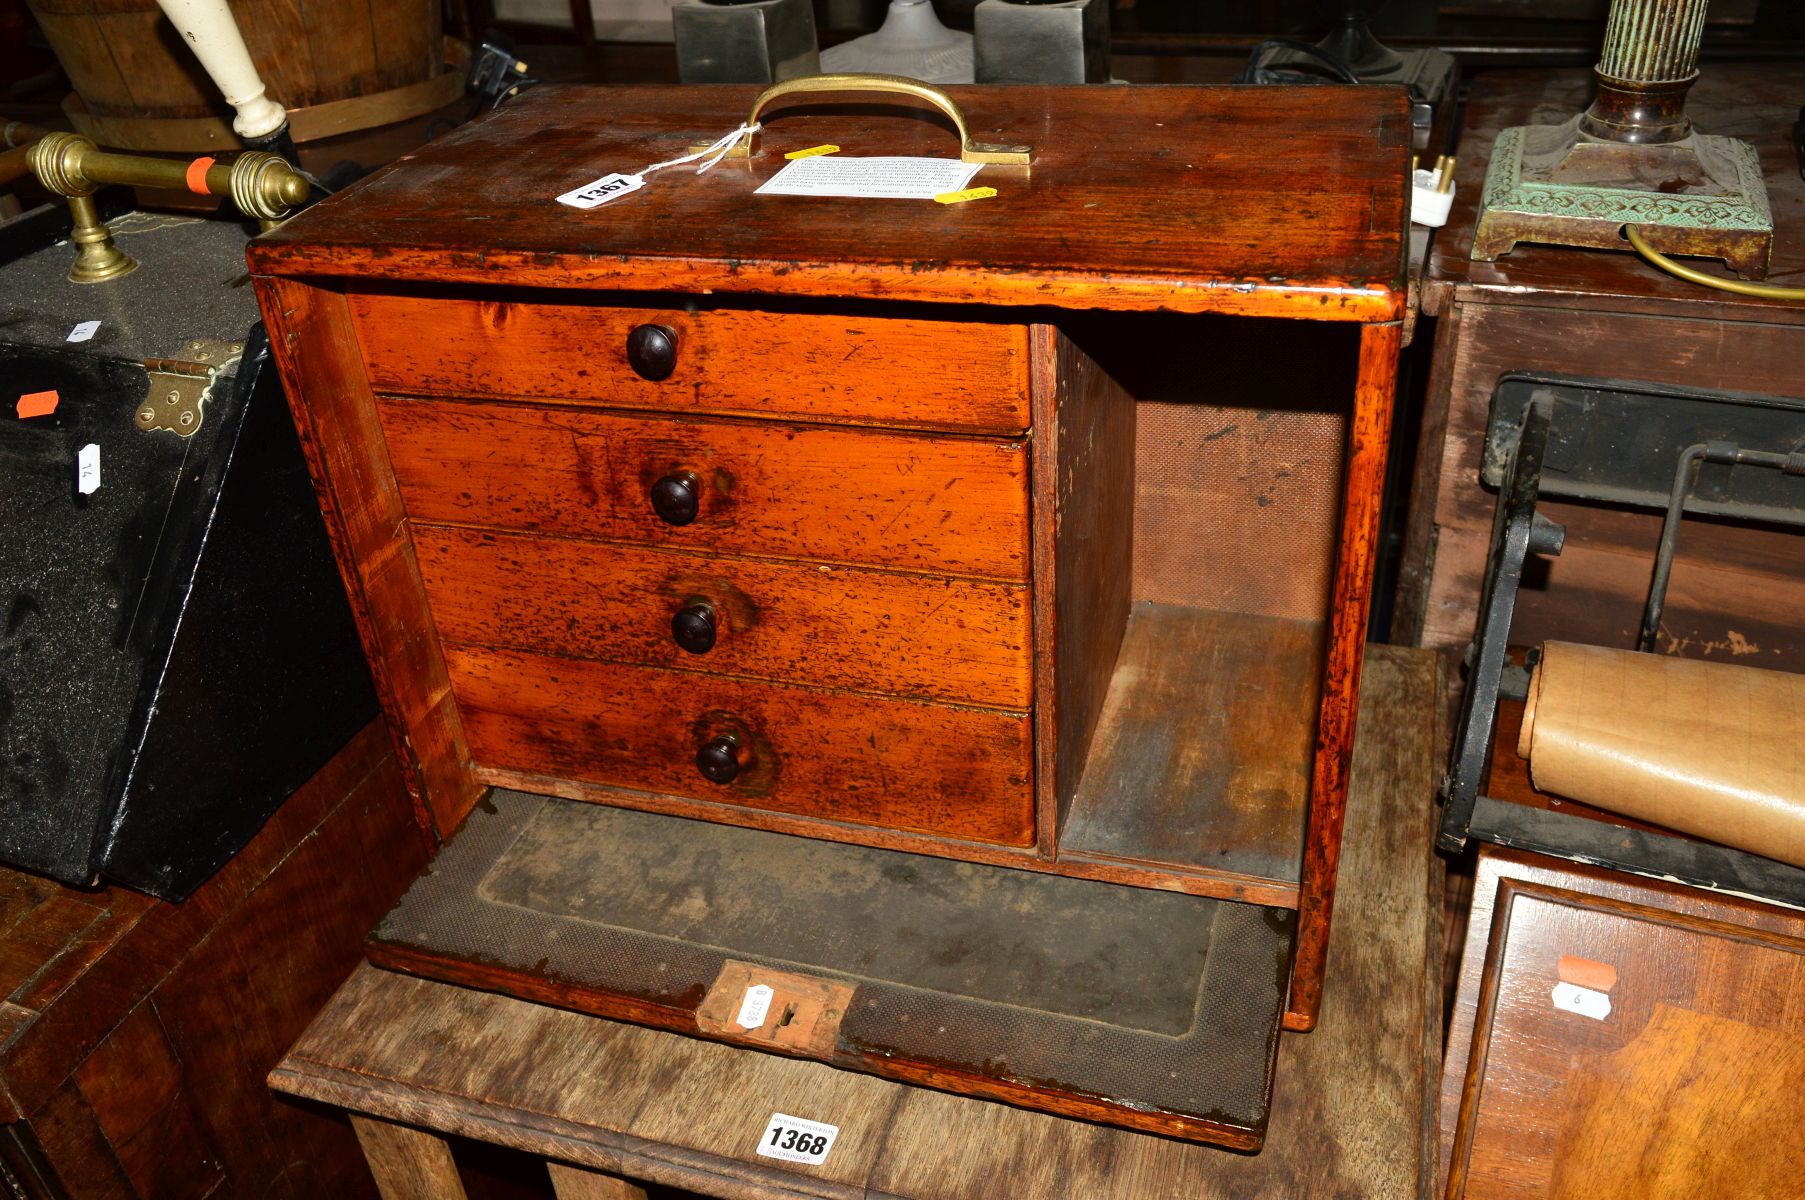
1559 185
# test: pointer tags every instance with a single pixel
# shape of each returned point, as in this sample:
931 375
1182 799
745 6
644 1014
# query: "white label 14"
83 331
87 469
608 187
794 1139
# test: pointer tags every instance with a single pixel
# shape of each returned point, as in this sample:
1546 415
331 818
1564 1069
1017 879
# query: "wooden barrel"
361 62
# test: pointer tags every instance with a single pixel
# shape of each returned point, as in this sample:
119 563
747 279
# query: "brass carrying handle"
969 151
262 185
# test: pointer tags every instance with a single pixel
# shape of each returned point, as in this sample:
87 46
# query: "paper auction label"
794 1139
870 178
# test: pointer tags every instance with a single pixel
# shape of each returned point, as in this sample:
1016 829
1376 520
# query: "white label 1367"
795 1140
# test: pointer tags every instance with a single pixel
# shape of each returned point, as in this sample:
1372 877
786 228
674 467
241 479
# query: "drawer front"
926 768
843 627
916 502
877 371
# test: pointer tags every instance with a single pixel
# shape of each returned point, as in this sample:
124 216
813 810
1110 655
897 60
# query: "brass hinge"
180 387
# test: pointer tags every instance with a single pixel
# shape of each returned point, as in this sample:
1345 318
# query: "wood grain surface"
315 347
1350 1107
135 1035
406 1163
1202 754
1136 199
1350 601
896 633
1686 1085
950 374
1652 1100
926 768
1084 467
132 64
916 502
574 1183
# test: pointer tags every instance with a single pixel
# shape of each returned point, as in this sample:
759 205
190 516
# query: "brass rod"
132 170
14 164
18 133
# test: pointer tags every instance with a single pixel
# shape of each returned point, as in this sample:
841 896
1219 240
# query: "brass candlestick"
1632 158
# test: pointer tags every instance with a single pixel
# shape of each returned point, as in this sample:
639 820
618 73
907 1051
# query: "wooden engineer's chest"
1032 531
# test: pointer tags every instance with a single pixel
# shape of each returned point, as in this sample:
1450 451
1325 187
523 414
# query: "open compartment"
1200 465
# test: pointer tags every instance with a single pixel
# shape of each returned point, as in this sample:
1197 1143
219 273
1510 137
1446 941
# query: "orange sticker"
197 175
37 404
1583 972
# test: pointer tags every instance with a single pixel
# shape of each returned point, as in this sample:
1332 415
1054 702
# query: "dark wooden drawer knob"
677 498
693 628
652 351
719 758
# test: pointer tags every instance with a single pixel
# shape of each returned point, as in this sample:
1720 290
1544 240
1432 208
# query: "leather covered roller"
1711 749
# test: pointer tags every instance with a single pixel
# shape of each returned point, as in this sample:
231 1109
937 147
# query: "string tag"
608 187
613 187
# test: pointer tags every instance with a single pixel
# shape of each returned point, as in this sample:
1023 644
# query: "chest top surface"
1284 201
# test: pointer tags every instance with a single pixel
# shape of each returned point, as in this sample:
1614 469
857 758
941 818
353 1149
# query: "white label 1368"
794 1139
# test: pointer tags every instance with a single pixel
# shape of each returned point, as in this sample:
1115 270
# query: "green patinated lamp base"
1552 184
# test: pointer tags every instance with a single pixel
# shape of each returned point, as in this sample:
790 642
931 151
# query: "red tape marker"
37 404
197 176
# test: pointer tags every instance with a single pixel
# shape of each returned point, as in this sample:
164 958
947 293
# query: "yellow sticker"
812 151
967 194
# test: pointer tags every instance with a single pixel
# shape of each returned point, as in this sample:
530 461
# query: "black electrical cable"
1256 72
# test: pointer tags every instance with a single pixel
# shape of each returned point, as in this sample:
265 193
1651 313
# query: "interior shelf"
1202 756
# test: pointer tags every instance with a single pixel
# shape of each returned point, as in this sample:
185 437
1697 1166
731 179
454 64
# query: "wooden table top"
1284 201
1351 1114
1758 103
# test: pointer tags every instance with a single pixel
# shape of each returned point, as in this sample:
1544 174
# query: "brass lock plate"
176 399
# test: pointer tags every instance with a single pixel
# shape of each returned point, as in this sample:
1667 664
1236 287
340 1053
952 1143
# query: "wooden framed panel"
1678 1076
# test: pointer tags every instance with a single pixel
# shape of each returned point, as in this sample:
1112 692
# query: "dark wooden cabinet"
990 531
1736 588
135 1034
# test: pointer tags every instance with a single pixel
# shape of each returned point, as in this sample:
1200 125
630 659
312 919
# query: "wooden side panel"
316 348
1369 437
940 504
1083 553
928 768
960 376
901 634
69 1136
